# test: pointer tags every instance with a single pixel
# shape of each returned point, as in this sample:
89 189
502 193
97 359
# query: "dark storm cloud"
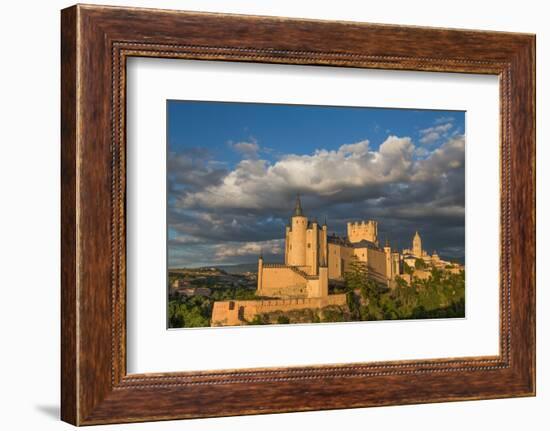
192 170
231 215
210 227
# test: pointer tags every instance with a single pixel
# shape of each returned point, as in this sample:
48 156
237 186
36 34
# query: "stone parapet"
233 313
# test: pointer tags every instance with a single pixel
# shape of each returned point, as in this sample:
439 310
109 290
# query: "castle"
312 258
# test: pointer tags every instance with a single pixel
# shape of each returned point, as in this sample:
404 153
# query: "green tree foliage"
189 315
355 275
419 264
283 320
441 295
407 269
363 293
196 311
334 314
260 319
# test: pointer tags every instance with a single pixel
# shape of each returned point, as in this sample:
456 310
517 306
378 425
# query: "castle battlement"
362 222
239 312
363 230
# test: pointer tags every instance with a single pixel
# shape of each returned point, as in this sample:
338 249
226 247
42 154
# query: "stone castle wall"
339 258
376 265
232 313
282 281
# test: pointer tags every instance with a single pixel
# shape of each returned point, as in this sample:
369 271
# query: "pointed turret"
298 207
297 240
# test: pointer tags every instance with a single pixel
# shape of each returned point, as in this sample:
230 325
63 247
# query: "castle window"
308 245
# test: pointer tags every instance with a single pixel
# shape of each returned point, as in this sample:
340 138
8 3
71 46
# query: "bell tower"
417 245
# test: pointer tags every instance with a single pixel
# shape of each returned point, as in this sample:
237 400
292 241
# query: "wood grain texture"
69 367
96 41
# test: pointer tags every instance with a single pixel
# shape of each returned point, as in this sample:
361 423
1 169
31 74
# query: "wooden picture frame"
95 43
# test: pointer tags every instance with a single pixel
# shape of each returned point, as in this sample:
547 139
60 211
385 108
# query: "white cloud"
185 239
254 248
421 152
442 120
256 184
445 159
232 215
248 149
433 134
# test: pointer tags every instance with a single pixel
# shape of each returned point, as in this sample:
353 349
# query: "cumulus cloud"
442 120
435 133
256 184
234 214
193 169
254 248
248 149
442 161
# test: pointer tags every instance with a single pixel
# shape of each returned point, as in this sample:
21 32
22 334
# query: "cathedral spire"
298 206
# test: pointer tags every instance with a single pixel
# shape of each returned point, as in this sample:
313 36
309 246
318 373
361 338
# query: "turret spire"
298 206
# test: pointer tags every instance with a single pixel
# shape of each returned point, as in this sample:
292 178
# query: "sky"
234 170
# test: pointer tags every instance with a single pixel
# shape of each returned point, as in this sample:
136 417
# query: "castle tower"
323 245
287 243
363 230
297 236
396 264
260 274
388 256
312 247
417 245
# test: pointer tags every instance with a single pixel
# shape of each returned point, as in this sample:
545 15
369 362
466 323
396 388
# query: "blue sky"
234 168
299 129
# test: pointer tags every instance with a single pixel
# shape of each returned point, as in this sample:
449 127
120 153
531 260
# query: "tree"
283 320
188 315
407 269
419 263
355 275
259 319
401 283
437 275
357 280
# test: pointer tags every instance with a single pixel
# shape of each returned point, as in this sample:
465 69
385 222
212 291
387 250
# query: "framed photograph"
226 200
322 214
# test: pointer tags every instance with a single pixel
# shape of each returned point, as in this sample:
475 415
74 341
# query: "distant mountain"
239 268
